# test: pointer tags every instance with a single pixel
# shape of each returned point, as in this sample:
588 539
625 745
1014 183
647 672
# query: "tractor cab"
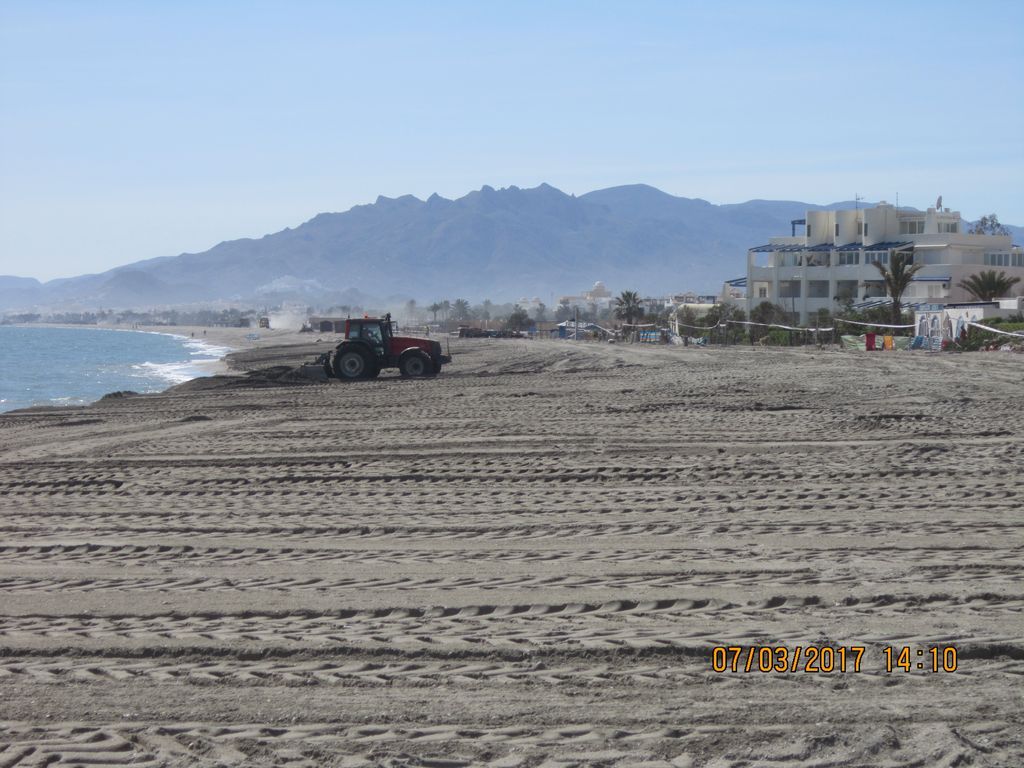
376 332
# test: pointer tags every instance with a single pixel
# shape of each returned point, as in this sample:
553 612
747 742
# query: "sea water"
74 366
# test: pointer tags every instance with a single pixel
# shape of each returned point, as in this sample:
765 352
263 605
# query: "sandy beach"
527 561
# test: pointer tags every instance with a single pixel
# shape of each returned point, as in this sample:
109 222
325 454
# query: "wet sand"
524 562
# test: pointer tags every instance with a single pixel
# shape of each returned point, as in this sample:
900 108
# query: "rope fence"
811 330
1015 334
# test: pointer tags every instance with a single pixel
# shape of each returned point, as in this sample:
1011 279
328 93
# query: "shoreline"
234 339
213 344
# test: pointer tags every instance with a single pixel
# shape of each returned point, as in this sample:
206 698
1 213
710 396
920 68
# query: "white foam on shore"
199 347
205 350
205 355
63 401
169 373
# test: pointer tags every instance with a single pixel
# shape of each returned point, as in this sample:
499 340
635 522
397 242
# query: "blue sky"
134 130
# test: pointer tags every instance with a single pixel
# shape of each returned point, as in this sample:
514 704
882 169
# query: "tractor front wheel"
416 366
351 364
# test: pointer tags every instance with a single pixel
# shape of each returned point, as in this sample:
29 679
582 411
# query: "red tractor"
371 345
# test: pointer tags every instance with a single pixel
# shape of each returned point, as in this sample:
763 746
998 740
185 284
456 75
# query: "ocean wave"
168 373
206 350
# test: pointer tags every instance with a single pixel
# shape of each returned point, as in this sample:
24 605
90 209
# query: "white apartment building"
599 295
832 258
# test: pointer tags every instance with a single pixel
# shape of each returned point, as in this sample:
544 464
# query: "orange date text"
783 658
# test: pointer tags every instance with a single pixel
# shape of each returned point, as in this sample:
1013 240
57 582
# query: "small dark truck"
371 345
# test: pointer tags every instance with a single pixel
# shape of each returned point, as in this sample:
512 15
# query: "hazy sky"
132 130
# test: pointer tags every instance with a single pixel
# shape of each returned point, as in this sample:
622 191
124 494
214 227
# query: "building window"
808 230
837 229
817 289
789 289
847 258
912 227
948 227
762 293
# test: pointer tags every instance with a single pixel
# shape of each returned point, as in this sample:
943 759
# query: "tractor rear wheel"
416 366
351 364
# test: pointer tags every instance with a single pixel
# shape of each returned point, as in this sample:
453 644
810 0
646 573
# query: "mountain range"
492 243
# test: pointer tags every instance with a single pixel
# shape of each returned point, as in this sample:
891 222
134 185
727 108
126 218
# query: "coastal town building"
530 304
734 293
679 299
598 296
829 259
324 324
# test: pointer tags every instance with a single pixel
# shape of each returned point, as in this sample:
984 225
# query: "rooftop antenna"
856 201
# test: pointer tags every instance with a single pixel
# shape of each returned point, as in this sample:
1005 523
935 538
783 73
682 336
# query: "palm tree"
628 307
519 319
766 313
446 308
988 286
897 277
482 312
460 310
433 309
